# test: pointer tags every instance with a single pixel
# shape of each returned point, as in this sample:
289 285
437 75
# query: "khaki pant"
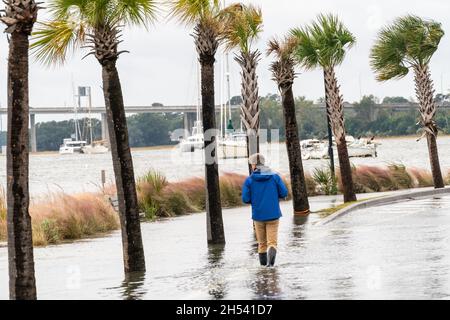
266 234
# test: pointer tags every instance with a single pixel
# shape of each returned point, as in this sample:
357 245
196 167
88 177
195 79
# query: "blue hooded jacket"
263 189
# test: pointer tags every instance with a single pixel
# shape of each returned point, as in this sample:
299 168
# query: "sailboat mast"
228 85
90 117
76 101
221 100
199 91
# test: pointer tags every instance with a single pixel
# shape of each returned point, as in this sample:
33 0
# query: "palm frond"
137 12
324 43
332 38
53 40
243 26
71 20
306 51
191 11
282 48
60 9
408 41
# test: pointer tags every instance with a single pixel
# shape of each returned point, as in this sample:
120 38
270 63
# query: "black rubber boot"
271 255
263 259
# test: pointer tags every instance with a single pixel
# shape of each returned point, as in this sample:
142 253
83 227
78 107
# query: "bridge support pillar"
33 140
105 132
189 121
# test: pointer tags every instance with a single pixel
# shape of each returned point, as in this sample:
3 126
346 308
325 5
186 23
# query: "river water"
77 173
401 251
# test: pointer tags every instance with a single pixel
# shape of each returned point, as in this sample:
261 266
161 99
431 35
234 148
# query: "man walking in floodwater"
263 189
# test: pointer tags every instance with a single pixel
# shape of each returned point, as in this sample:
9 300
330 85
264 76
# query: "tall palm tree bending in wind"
409 43
97 26
324 44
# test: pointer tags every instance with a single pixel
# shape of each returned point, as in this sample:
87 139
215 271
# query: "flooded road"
401 251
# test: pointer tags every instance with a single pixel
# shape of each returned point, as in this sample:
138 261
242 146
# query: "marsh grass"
368 179
61 217
3 233
68 217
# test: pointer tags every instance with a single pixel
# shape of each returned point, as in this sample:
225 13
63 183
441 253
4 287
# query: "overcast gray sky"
162 64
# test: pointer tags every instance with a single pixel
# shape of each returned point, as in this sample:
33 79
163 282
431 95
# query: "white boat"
70 146
96 147
194 142
316 149
233 146
362 147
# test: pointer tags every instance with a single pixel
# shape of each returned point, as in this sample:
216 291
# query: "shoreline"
166 147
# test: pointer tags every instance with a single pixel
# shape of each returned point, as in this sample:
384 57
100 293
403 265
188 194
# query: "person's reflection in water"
217 287
266 284
133 286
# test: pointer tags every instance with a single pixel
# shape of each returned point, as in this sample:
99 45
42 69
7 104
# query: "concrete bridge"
188 111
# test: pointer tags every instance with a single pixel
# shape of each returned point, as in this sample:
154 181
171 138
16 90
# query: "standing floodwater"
401 251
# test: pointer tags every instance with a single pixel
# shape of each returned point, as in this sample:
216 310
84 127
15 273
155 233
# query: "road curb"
384 200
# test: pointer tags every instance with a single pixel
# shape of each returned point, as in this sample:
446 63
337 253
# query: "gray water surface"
78 173
401 251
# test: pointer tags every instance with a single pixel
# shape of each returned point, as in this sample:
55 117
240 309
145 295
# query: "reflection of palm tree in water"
217 287
133 286
266 284
298 229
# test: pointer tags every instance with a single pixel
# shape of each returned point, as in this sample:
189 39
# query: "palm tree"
243 27
409 43
97 25
19 17
205 16
324 44
283 70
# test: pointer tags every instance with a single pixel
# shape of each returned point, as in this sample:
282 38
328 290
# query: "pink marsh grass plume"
60 217
421 177
392 177
68 217
373 179
3 233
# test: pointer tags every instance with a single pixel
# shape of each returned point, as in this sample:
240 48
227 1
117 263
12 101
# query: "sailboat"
232 143
95 147
74 144
196 140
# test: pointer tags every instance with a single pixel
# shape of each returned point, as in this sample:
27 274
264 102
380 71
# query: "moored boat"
317 149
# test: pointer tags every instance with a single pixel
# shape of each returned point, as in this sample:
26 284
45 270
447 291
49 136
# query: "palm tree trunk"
345 170
22 283
250 112
298 183
216 234
335 111
434 161
425 95
133 250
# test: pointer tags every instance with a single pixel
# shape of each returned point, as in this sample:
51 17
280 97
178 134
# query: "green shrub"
325 180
